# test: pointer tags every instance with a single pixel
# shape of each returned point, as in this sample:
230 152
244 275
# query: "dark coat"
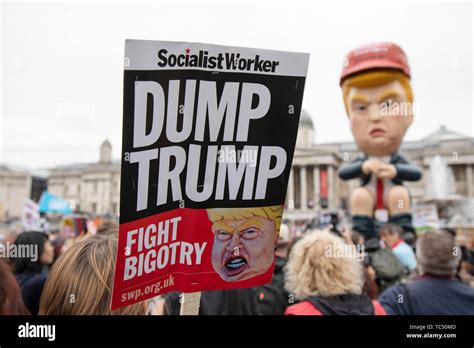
31 284
429 296
406 171
217 302
348 304
273 299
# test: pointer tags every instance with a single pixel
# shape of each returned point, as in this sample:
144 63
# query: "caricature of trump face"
244 241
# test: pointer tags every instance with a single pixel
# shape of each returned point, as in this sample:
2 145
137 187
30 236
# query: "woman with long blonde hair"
81 280
327 276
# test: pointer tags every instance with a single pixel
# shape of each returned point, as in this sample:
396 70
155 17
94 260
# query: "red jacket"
307 308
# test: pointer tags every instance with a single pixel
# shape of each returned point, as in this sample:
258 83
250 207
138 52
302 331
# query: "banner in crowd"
425 216
208 139
50 203
31 220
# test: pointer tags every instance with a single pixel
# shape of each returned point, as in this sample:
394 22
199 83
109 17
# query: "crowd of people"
317 272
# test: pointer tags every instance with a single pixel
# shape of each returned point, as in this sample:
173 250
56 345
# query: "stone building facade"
90 187
17 185
313 186
314 177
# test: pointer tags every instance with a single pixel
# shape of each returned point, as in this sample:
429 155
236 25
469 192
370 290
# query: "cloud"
62 63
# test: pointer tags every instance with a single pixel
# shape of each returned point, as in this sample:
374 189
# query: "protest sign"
31 216
425 216
208 139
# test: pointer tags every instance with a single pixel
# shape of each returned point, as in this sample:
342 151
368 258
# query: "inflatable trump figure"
378 98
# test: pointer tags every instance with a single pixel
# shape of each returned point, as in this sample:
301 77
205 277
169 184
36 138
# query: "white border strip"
143 55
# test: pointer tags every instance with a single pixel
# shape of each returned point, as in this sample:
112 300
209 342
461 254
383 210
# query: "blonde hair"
80 282
368 79
315 268
273 213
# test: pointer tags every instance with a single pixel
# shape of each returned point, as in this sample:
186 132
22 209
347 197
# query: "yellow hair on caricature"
273 213
368 79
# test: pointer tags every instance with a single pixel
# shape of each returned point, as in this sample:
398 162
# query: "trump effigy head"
378 96
244 240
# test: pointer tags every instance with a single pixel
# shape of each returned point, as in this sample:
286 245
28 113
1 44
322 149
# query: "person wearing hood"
326 275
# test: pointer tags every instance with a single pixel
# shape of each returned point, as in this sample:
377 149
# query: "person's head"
357 238
450 231
438 254
283 241
294 241
8 236
36 252
390 233
378 97
81 280
11 302
317 268
58 246
244 240
106 226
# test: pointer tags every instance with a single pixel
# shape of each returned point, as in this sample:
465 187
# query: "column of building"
331 187
291 191
303 189
469 181
316 187
315 195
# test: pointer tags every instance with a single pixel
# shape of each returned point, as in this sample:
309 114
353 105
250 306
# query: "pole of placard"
190 303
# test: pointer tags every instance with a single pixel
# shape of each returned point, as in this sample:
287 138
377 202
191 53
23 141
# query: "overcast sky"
62 63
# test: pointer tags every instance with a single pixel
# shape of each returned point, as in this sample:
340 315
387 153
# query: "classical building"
16 185
314 185
90 187
313 180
